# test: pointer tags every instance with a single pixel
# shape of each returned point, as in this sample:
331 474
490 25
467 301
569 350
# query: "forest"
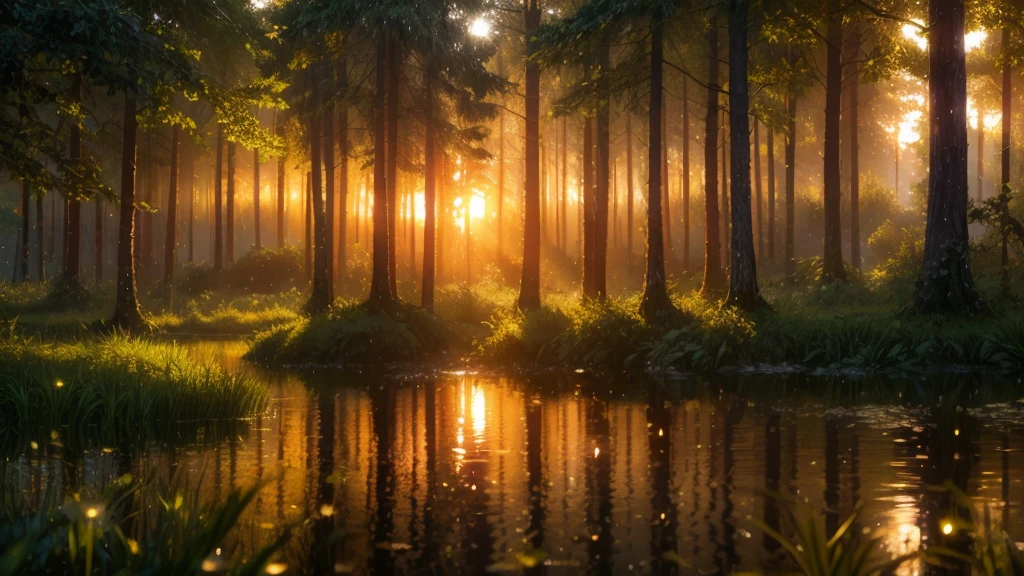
475 264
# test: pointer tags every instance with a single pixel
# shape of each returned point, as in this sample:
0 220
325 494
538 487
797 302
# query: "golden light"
276 568
59 383
92 513
479 411
947 528
597 452
212 565
908 133
988 121
477 206
480 27
912 32
327 510
421 206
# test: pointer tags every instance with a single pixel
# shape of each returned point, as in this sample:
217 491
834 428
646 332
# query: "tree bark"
98 256
320 297
41 256
26 196
257 244
758 197
281 192
629 191
655 303
501 173
771 200
529 288
686 176
429 195
229 216
789 265
1004 159
666 192
380 282
394 78
329 182
603 180
743 290
854 170
342 74
832 268
171 237
946 282
588 198
127 314
714 280
563 239
73 231
218 202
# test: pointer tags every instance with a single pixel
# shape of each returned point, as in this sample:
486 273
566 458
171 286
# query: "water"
463 472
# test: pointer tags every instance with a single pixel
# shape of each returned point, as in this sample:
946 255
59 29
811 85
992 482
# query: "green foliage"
899 251
89 534
353 334
265 271
242 315
113 391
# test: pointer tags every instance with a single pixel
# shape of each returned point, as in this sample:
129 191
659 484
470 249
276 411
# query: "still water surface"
458 473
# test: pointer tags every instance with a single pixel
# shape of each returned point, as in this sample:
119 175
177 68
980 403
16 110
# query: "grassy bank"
112 391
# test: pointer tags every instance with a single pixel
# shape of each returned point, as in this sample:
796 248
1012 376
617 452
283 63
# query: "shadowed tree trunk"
26 196
758 197
563 238
855 157
257 244
529 288
655 303
229 216
790 253
342 74
320 297
832 268
98 219
771 200
279 127
946 283
394 78
587 197
1004 180
307 223
73 246
603 179
743 291
686 177
714 280
629 191
666 190
501 171
380 281
218 202
127 314
429 194
329 189
41 255
171 237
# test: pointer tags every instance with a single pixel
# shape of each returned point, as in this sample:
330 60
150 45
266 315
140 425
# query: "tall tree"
832 260
320 297
73 218
127 314
171 239
743 290
529 288
714 279
218 201
789 256
229 208
380 282
946 283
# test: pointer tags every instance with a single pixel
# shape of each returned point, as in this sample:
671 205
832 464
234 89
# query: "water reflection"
458 473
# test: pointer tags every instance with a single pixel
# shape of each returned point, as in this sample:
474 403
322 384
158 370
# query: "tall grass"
93 534
113 391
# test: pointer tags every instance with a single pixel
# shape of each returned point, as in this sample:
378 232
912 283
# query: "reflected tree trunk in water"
384 524
831 476
599 491
321 552
534 470
663 512
772 474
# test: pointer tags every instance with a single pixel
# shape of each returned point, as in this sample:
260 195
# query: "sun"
480 27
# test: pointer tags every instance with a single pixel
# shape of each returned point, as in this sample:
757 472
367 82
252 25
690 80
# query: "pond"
463 472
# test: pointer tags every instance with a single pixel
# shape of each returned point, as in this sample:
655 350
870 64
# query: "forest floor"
848 328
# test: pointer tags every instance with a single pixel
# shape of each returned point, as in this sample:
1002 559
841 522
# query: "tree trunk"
771 200
229 216
380 282
588 198
26 196
529 288
854 170
714 280
758 197
394 78
127 314
743 291
1004 180
981 153
789 248
171 238
725 211
98 256
329 183
629 192
946 282
73 231
686 176
191 202
429 195
307 223
218 202
600 252
41 256
666 190
257 244
655 303
320 297
281 192
832 268
501 176
565 190
342 74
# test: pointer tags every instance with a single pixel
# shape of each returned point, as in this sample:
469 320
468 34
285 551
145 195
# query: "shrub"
264 271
